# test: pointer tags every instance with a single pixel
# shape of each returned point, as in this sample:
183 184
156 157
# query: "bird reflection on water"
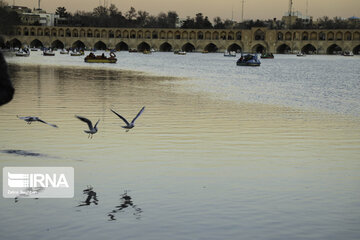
125 202
91 197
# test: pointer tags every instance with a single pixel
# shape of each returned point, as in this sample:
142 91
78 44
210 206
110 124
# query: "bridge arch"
215 35
339 36
61 32
334 49
122 46
258 48
78 45
188 47
259 35
185 35
308 49
36 43
313 36
356 36
238 36
234 47
330 36
305 36
100 45
26 31
211 47
288 36
147 34
143 46
165 47
67 32
283 49
347 36
208 35
40 32
57 44
356 50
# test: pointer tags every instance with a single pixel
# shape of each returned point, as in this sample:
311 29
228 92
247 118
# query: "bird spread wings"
86 120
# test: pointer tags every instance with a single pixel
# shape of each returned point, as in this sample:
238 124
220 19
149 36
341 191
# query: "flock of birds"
92 128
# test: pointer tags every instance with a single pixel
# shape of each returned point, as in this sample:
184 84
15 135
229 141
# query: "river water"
221 152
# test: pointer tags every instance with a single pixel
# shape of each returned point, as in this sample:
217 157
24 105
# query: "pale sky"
254 9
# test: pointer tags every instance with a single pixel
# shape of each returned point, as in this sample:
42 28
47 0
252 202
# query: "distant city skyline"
226 9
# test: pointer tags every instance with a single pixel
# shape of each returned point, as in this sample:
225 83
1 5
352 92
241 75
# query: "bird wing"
97 123
39 120
22 118
85 120
140 112
127 123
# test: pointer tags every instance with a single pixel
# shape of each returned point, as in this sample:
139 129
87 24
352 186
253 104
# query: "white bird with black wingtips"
92 130
132 124
30 119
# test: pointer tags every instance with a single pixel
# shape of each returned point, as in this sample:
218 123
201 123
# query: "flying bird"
30 119
92 130
129 125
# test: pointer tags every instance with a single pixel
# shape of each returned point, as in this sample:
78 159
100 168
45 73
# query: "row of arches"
258 35
319 36
132 34
310 49
188 47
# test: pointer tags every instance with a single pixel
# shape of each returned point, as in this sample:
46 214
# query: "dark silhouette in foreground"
6 88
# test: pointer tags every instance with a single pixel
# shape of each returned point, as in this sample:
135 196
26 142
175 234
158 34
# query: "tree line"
110 16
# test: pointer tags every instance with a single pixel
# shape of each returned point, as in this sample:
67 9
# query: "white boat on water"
300 54
48 53
348 54
64 51
23 53
230 54
33 49
180 52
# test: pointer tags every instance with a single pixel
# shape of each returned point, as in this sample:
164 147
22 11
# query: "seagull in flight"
129 125
30 119
92 130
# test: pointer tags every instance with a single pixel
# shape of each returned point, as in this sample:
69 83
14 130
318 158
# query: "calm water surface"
221 153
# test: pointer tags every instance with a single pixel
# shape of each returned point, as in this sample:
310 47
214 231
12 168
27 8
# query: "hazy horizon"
226 9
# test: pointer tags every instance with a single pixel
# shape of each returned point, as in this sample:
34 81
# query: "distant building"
290 19
35 17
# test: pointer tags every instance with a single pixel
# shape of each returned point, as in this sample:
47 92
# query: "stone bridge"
190 40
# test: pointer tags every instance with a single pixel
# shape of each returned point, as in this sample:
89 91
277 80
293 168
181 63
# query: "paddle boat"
348 54
64 51
91 58
48 53
180 52
23 53
267 56
248 60
75 54
300 54
230 54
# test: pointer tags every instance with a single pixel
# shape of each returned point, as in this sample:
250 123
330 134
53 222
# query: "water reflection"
126 202
91 197
23 153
